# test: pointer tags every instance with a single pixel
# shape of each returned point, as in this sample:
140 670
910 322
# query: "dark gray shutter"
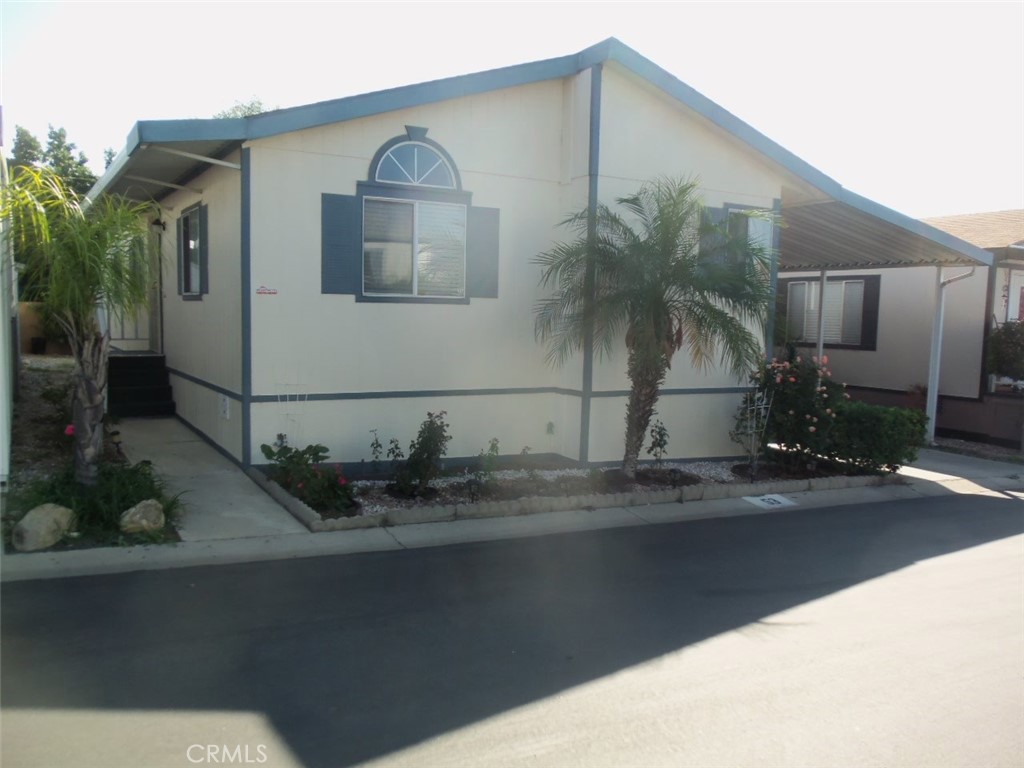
204 250
712 241
179 246
482 253
341 242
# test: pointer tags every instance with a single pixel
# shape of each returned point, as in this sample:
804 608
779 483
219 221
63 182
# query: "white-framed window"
844 311
416 164
414 248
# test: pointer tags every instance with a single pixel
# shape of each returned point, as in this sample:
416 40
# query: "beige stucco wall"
215 415
204 338
905 313
518 150
344 426
644 135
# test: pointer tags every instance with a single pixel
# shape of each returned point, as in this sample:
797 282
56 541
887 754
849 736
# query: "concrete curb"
308 516
491 523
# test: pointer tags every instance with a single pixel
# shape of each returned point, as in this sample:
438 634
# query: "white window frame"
812 303
412 182
415 203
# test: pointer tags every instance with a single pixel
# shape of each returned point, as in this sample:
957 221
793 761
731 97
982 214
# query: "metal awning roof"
852 232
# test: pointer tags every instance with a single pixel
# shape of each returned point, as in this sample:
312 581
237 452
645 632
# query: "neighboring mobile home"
879 326
292 300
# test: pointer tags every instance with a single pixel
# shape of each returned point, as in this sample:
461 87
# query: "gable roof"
991 230
143 174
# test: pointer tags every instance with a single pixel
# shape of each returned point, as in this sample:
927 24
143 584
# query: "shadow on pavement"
352 658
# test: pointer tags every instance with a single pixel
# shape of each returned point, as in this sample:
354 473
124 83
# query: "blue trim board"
400 395
291 397
203 383
769 326
593 169
209 440
679 391
246 268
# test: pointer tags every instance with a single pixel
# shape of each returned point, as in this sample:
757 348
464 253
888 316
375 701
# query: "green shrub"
98 508
302 473
812 418
803 401
1006 350
875 438
425 454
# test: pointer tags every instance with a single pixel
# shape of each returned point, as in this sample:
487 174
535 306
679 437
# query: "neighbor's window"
414 247
844 311
190 253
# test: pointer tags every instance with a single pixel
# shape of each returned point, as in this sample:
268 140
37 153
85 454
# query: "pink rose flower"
342 481
69 430
813 429
824 359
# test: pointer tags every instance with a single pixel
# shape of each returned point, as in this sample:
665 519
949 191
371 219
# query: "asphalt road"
852 636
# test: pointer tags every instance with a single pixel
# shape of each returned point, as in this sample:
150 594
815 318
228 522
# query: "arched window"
410 233
415 163
414 233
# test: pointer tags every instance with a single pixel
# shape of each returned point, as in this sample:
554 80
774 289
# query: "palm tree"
81 258
664 276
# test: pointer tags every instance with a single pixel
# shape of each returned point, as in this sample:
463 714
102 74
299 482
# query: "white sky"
919 106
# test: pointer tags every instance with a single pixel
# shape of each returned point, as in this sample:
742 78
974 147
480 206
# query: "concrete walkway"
218 500
229 519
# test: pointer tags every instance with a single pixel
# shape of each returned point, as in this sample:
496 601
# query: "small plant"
488 461
425 454
376 451
302 473
659 442
395 452
531 471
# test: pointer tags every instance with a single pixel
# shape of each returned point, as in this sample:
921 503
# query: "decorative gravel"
377 501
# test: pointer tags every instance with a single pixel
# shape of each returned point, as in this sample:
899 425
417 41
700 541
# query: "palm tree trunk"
646 380
87 414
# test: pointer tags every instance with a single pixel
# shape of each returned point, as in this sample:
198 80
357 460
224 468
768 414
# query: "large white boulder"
42 527
145 517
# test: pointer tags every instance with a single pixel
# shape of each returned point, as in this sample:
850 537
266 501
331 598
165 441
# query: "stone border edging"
536 504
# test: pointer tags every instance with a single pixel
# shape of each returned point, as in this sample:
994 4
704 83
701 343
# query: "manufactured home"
350 265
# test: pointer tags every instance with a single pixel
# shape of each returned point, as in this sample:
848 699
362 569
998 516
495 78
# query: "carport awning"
852 232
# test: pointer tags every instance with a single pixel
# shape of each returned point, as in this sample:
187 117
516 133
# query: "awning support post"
935 358
821 315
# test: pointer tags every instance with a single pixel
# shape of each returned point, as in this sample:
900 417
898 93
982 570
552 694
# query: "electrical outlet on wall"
225 407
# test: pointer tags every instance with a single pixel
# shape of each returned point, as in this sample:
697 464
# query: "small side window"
192 255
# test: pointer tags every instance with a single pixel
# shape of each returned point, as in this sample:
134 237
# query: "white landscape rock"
145 517
42 527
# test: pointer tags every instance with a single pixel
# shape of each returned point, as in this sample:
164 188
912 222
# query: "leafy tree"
253 106
26 150
60 156
83 258
665 277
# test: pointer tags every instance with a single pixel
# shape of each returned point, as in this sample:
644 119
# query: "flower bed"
522 492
